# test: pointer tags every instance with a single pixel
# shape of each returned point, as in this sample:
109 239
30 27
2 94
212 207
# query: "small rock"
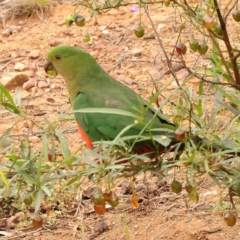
13 80
22 53
55 43
14 28
137 52
14 55
43 84
113 11
30 83
34 54
182 74
36 234
105 32
33 66
161 26
34 139
103 28
67 32
19 67
30 73
6 32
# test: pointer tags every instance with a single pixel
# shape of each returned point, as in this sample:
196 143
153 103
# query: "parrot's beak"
49 68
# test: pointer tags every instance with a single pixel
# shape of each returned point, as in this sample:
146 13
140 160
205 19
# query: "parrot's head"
65 60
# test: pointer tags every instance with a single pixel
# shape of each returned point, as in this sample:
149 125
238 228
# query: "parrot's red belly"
85 137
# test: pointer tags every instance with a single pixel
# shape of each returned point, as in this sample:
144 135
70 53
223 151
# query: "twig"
164 230
227 42
6 65
162 47
28 233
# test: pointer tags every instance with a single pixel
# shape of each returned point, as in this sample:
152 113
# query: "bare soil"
162 215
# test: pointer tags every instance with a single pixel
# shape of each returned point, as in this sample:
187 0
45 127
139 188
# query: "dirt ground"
130 60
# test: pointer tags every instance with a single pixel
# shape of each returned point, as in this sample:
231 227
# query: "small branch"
234 85
227 42
230 10
162 47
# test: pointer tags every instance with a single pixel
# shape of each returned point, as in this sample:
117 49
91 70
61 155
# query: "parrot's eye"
58 57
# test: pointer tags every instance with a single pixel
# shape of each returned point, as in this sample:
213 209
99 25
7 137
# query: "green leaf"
38 199
163 140
46 190
107 110
4 179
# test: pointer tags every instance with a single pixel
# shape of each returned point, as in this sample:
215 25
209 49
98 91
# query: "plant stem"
162 47
226 40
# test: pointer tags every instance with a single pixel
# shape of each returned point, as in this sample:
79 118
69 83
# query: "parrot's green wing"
107 126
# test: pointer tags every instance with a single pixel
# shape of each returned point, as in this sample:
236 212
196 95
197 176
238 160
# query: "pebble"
55 43
34 139
19 67
30 83
13 79
137 52
43 84
29 73
34 54
6 32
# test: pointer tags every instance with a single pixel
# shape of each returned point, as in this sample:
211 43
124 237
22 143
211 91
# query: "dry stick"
226 40
161 45
28 233
6 65
194 230
164 230
209 81
230 10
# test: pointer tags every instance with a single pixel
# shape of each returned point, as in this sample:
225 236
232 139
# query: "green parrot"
89 86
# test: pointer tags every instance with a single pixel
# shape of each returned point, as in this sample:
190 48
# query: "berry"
134 201
113 201
193 195
179 134
208 22
203 47
80 21
50 70
98 197
107 195
86 38
189 187
28 201
37 221
50 157
100 209
176 186
181 48
230 219
69 20
236 15
193 44
167 3
218 30
139 31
